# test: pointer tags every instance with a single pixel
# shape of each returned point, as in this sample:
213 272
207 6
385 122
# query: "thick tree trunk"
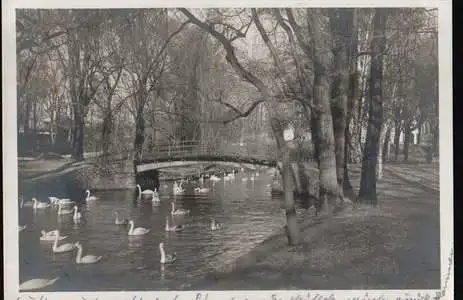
352 97
342 26
288 184
347 186
367 191
324 143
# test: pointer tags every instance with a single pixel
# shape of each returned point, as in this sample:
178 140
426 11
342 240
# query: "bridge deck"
189 153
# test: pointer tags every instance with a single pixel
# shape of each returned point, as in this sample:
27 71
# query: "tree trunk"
341 22
435 140
397 132
288 184
106 132
353 95
324 142
27 114
382 139
386 145
407 137
139 133
367 191
78 134
418 136
34 116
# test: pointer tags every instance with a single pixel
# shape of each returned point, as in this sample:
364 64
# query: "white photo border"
10 171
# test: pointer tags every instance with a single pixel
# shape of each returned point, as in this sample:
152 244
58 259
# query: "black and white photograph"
252 148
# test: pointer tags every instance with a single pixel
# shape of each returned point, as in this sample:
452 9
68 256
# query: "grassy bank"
392 246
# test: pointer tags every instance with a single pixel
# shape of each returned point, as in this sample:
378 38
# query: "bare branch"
298 31
240 114
230 56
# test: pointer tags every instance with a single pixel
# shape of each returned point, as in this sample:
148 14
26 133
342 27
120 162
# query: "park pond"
247 210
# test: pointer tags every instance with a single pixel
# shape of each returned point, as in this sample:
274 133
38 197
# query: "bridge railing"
196 148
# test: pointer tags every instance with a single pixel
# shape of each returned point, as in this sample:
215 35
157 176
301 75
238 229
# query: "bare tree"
234 33
367 191
145 43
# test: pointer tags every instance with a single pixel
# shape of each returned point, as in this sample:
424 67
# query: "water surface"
247 211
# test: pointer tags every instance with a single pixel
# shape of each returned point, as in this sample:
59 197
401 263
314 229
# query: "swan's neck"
167 224
131 228
139 189
173 207
55 243
75 212
79 254
163 254
88 194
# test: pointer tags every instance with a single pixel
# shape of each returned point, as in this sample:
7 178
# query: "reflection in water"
245 209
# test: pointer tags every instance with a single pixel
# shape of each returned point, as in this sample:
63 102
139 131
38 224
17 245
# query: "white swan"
138 230
53 200
50 236
166 258
25 204
155 197
37 283
49 233
89 197
65 201
226 177
62 248
77 215
178 189
172 227
63 211
215 225
39 205
201 190
87 259
145 192
214 178
120 221
21 227
178 211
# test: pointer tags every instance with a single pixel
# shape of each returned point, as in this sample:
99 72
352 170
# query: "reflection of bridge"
191 153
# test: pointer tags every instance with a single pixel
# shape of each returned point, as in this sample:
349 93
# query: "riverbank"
393 246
